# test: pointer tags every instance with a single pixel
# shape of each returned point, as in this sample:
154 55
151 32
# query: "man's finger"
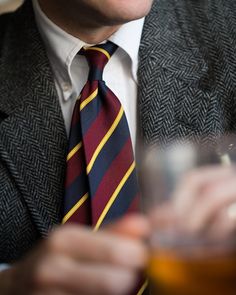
76 277
85 245
211 203
132 226
190 190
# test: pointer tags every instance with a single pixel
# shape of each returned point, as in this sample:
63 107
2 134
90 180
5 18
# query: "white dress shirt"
71 70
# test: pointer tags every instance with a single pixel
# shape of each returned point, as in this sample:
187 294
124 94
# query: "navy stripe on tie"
75 191
124 199
111 149
90 113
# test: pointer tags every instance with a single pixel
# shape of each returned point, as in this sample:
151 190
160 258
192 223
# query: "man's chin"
121 12
122 18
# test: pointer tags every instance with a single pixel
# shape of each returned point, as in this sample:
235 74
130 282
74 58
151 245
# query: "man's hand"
203 199
200 204
75 260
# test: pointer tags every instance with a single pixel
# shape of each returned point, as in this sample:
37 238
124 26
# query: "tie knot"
97 58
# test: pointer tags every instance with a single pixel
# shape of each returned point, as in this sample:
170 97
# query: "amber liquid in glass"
176 274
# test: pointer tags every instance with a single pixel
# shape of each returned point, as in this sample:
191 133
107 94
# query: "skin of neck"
80 25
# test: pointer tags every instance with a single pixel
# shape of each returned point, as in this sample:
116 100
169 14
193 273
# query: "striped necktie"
101 183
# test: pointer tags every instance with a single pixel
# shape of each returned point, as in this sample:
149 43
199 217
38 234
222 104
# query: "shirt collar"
63 47
128 37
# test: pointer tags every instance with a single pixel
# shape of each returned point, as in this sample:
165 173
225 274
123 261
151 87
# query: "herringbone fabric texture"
187 78
101 183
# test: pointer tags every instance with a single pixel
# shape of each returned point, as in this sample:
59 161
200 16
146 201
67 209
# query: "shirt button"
66 86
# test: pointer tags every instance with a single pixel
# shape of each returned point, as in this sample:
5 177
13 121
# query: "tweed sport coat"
187 88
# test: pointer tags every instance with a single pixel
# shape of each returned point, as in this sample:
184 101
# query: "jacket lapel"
32 133
173 76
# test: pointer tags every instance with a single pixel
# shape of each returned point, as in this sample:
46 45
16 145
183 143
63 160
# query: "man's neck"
82 27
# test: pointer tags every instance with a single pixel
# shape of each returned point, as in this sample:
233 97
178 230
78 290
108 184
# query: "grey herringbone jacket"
187 87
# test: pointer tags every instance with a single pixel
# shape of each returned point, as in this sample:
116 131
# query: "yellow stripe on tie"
143 288
75 208
89 99
99 49
74 151
104 140
114 196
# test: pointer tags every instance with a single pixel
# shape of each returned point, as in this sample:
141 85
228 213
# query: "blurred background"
9 5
